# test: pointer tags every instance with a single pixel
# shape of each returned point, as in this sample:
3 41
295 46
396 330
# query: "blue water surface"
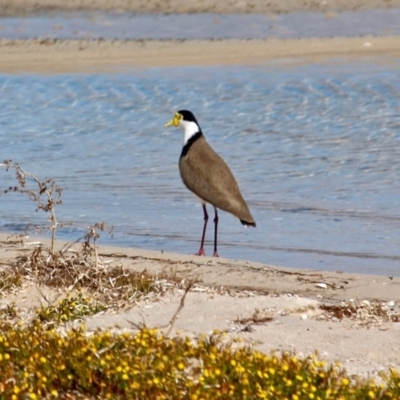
109 25
315 150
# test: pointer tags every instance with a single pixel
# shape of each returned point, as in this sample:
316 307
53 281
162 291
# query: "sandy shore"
54 56
228 293
23 7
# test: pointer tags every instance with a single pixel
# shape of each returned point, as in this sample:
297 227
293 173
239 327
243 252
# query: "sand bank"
24 7
56 56
228 293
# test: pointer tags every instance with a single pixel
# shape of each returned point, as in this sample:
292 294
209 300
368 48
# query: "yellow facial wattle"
174 121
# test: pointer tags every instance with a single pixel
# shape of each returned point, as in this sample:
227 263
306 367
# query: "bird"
208 176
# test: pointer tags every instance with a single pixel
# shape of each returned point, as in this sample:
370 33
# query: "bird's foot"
215 254
201 252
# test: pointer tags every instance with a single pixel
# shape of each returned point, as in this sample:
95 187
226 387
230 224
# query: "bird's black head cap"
188 116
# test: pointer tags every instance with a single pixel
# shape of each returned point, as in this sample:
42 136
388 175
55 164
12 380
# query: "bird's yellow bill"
174 121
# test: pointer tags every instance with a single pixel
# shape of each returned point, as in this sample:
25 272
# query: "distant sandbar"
66 56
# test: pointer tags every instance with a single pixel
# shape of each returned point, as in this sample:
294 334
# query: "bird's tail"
247 223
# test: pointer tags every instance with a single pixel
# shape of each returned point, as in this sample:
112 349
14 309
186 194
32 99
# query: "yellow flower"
181 365
135 385
160 366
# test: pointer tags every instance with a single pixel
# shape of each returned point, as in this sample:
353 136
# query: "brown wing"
206 174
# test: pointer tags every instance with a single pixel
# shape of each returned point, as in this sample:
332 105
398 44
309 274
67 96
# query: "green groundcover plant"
37 363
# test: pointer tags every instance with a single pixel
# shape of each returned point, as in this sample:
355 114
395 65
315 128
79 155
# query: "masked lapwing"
206 174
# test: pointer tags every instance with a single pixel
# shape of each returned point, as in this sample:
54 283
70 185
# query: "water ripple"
315 150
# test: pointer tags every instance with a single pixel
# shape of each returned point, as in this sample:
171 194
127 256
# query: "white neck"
190 129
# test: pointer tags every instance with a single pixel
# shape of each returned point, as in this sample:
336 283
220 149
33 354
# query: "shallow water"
315 150
201 26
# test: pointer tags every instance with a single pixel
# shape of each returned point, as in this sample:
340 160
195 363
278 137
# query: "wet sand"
55 56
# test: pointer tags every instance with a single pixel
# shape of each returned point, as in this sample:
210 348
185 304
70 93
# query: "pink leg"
215 233
201 251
